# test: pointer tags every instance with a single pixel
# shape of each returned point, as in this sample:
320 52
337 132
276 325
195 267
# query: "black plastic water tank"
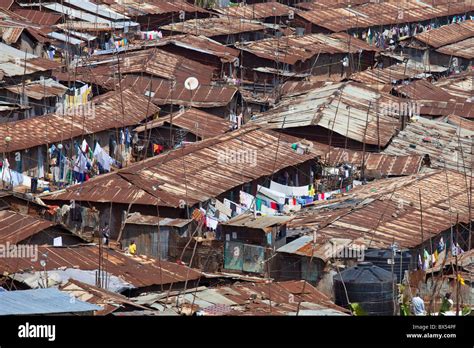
383 258
368 285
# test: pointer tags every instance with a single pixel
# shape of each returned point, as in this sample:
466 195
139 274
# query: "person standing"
105 234
418 305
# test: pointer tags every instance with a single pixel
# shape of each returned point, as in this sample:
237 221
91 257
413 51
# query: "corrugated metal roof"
12 62
38 16
260 222
460 122
394 73
292 49
155 62
211 27
138 219
86 16
197 43
16 227
194 173
39 89
41 301
164 92
460 85
10 34
278 298
49 129
371 15
200 123
388 211
139 271
329 107
447 34
383 164
447 145
101 10
424 90
257 10
107 300
134 8
463 49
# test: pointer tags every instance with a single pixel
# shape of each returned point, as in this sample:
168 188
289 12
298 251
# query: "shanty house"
250 240
155 236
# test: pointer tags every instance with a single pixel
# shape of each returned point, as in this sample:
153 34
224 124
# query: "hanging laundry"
85 146
211 223
246 199
103 158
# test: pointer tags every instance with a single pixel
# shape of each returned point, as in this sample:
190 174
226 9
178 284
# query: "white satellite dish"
191 83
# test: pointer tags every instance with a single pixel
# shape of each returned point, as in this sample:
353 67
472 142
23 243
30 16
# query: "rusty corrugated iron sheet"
200 44
200 123
284 296
371 15
460 85
257 11
139 271
463 49
329 4
292 49
376 163
16 227
163 92
155 62
460 122
108 300
10 35
391 74
447 34
424 90
388 211
134 8
39 89
211 27
341 107
448 146
49 129
38 17
194 173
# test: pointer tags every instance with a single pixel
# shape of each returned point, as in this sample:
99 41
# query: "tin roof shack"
459 85
222 29
193 174
304 259
100 120
438 46
43 302
156 13
120 272
344 115
17 66
301 56
250 241
155 236
185 126
17 228
217 99
40 97
201 49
